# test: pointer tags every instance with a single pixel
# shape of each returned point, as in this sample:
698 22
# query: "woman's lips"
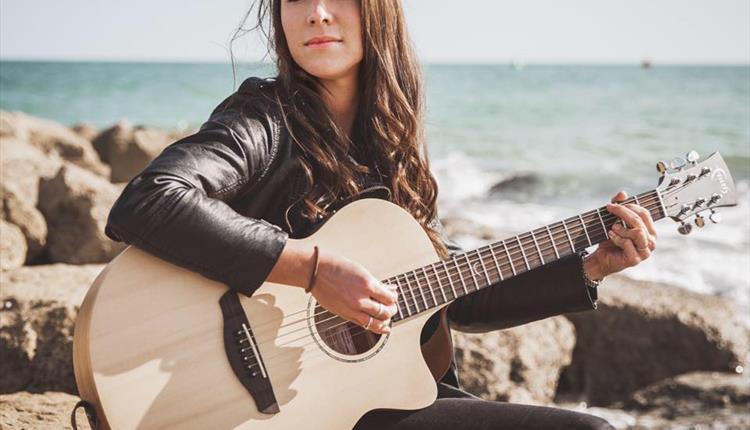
322 44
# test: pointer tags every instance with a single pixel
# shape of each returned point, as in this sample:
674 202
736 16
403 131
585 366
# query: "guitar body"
149 349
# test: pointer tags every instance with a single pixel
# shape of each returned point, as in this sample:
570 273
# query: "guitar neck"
431 286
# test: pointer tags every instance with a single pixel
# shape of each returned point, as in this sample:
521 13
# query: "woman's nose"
320 13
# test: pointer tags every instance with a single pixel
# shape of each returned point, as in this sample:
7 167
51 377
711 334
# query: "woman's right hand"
350 291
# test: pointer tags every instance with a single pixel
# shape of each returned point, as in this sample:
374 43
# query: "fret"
552 241
440 284
541 258
486 275
494 258
636 200
661 203
471 270
520 245
584 229
604 227
565 227
450 280
429 286
401 294
461 276
414 297
512 267
420 289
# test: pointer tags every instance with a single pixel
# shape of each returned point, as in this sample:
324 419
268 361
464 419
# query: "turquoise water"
580 132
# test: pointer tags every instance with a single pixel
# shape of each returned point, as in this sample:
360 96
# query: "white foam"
712 260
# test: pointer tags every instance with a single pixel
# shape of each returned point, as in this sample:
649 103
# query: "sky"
443 31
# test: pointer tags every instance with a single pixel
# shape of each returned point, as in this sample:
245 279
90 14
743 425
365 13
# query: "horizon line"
520 62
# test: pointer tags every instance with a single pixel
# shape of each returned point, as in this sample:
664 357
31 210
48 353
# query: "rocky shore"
653 356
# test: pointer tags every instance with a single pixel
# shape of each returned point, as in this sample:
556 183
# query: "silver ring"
369 321
380 309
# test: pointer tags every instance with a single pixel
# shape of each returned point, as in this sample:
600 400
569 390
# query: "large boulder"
644 332
52 138
129 149
39 307
75 204
694 392
12 246
16 209
696 400
521 364
47 411
22 165
86 131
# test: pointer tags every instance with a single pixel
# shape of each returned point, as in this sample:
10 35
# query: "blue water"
582 132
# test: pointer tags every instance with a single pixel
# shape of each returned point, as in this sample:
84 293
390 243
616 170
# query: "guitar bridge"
244 356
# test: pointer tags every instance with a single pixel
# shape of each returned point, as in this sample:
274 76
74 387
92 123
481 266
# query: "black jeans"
457 410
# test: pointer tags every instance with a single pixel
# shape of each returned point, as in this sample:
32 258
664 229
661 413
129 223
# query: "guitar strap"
90 415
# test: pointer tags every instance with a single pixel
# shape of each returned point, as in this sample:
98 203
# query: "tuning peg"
661 167
715 197
692 157
700 221
677 163
715 217
685 228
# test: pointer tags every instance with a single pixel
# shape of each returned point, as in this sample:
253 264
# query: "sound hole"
343 336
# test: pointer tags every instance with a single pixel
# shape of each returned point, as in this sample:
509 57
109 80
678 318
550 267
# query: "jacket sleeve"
177 209
549 290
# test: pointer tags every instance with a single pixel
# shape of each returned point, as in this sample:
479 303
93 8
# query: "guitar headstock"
691 188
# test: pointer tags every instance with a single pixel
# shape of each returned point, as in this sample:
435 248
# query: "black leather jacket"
223 202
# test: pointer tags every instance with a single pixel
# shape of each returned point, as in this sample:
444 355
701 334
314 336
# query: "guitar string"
606 218
355 331
362 331
355 325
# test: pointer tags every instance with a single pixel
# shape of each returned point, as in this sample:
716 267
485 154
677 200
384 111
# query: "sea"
512 148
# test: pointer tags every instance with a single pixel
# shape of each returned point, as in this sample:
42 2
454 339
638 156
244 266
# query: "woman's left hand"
626 247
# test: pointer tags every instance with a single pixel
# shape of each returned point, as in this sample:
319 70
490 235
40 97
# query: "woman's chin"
329 71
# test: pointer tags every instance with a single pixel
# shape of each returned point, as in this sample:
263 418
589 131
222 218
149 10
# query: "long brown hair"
388 122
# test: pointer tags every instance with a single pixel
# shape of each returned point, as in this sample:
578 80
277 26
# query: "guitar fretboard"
430 286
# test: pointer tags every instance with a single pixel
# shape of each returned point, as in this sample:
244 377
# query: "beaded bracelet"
311 284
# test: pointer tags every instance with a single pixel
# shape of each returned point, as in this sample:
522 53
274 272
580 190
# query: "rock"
40 304
129 149
75 204
53 138
697 400
517 183
644 332
521 364
21 166
175 135
19 212
86 131
457 227
47 411
694 391
12 246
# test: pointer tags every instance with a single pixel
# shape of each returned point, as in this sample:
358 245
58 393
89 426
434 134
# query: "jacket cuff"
549 290
250 275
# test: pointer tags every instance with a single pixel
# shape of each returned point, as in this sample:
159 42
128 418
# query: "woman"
343 120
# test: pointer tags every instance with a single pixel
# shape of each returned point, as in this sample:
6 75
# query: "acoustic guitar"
158 346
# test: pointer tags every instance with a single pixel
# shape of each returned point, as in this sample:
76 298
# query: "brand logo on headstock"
721 176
